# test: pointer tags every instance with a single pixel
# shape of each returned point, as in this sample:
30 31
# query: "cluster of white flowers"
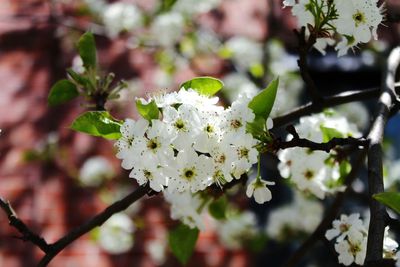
301 216
316 172
351 235
196 143
355 21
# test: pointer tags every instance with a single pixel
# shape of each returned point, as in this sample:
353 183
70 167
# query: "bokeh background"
245 43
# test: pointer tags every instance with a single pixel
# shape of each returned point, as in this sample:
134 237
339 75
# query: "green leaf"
257 70
182 241
78 78
217 208
329 133
390 199
148 111
258 242
207 86
62 92
97 123
166 6
87 50
262 103
344 169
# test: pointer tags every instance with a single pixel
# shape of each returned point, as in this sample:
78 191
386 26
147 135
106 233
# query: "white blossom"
352 249
245 51
237 229
168 28
358 18
157 249
259 189
116 234
300 216
189 171
131 132
238 84
346 224
120 16
95 170
184 207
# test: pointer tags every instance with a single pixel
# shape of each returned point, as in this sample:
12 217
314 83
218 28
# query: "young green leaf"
97 123
182 241
87 50
257 243
390 199
148 111
329 133
217 208
207 86
262 103
78 78
166 6
61 92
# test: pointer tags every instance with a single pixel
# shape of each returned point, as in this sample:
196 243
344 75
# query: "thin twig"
98 220
305 45
331 101
27 234
331 214
327 146
375 173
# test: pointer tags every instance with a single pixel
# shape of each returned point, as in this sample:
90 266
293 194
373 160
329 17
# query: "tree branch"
304 46
97 220
27 234
331 214
51 250
375 175
327 146
330 101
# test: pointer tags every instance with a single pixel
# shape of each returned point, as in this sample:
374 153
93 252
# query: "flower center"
153 144
219 178
188 174
309 174
221 159
236 124
359 18
354 248
243 152
209 128
147 174
180 124
344 227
